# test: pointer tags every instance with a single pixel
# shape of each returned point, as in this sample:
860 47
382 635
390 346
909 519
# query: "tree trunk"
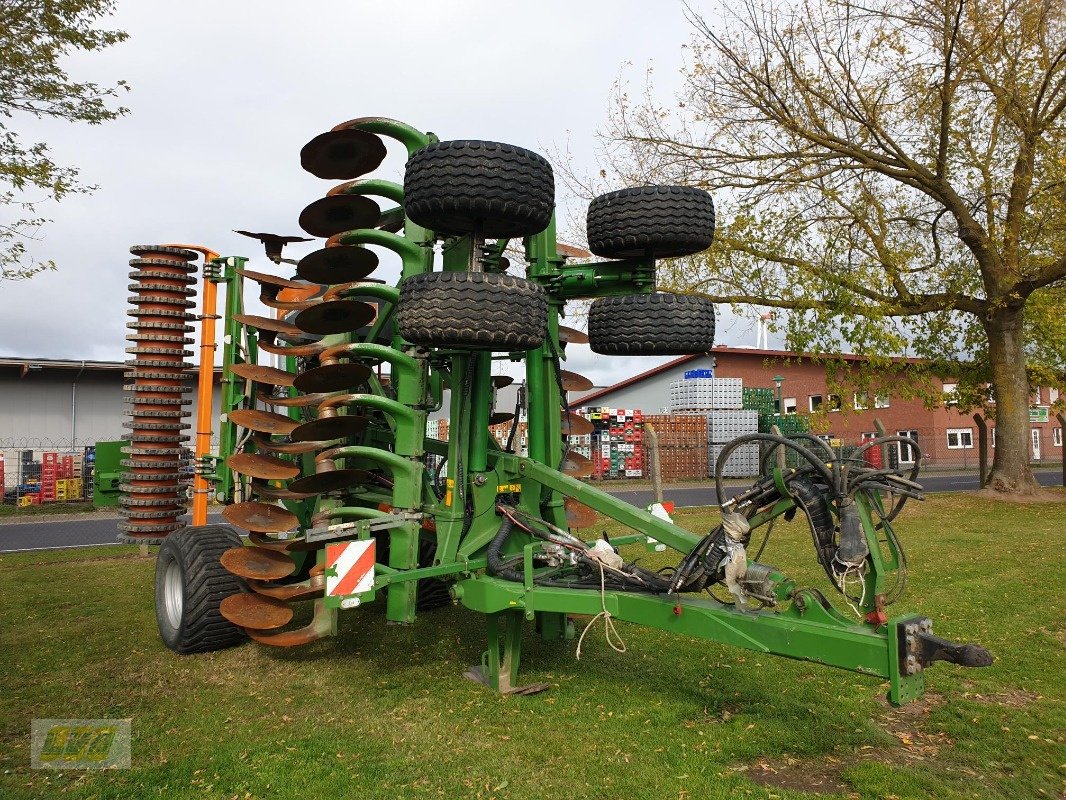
1010 386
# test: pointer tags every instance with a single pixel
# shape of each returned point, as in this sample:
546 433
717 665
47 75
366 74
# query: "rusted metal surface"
257 465
335 214
153 496
578 515
331 481
572 335
268 324
260 374
573 382
332 377
341 264
577 466
257 563
263 421
342 154
271 280
287 447
310 589
335 316
255 611
263 517
338 427
273 242
574 425
265 490
300 401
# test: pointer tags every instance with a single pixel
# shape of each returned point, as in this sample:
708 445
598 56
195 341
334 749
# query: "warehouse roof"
32 364
720 350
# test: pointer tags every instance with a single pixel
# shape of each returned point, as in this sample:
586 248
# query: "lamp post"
778 380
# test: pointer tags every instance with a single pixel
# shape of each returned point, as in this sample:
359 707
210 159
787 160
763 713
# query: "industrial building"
948 438
64 406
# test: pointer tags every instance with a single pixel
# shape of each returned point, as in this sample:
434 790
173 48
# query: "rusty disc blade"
263 421
294 350
500 417
305 635
287 447
255 611
257 563
577 466
271 280
262 517
261 374
575 425
331 481
572 335
270 543
333 265
578 515
336 316
257 465
267 324
572 382
300 401
325 428
276 492
291 592
267 299
341 155
332 377
499 381
339 213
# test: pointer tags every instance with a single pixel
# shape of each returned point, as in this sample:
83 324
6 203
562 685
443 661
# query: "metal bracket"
346 530
920 648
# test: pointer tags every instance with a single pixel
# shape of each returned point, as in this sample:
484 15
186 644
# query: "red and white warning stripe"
353 567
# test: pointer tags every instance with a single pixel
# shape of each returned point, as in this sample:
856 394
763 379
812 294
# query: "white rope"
844 590
608 623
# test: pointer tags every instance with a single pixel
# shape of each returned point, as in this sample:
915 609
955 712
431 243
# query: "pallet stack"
616 444
682 445
49 476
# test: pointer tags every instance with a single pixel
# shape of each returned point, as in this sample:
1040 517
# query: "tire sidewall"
169 553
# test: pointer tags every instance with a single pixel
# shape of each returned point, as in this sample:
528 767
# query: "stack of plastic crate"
725 425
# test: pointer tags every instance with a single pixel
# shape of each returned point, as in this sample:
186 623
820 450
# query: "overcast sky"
224 95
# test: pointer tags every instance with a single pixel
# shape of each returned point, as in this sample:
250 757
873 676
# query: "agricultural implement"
325 467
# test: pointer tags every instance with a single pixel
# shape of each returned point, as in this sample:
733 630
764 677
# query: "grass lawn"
383 712
11 511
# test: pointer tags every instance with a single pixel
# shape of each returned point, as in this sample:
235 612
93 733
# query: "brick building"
948 438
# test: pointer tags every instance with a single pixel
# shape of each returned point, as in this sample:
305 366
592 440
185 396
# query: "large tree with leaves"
35 37
893 177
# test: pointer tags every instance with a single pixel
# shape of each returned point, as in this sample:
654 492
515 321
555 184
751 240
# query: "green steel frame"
478 473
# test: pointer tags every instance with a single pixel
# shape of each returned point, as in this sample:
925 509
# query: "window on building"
960 438
1056 437
880 401
832 402
788 405
951 394
993 437
861 401
868 436
1052 395
815 402
1036 396
905 453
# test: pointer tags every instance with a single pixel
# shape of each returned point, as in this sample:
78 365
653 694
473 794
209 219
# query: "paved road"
56 534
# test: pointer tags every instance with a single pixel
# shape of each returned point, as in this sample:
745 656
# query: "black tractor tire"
190 583
472 311
487 189
658 324
650 222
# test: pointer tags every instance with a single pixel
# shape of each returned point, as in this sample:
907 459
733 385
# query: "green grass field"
383 712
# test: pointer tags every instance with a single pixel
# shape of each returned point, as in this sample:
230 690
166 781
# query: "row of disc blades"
321 299
155 477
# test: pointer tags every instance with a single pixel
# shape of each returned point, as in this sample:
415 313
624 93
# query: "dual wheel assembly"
489 190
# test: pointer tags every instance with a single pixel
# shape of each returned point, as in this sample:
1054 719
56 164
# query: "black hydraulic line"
723 457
